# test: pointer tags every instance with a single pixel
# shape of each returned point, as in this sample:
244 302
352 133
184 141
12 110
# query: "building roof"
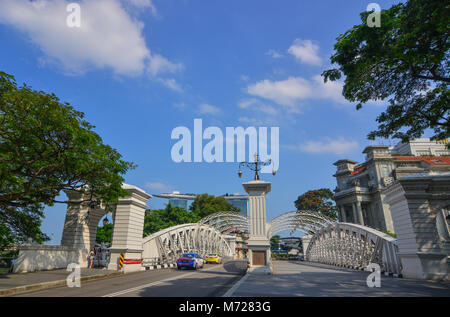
344 161
368 148
358 169
431 160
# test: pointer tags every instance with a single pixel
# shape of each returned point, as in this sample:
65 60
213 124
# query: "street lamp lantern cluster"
255 166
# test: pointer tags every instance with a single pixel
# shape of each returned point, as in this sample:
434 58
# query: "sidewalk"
294 279
24 282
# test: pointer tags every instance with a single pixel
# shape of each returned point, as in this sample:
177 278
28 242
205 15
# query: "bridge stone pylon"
258 242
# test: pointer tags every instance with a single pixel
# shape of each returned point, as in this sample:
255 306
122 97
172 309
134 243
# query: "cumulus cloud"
208 109
159 64
171 83
285 92
290 92
274 54
108 37
305 51
337 146
256 105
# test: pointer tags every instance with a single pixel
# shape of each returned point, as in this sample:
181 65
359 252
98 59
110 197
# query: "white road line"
155 283
231 291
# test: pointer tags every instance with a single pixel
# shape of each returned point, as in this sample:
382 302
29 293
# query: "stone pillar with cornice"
417 203
258 242
360 213
128 228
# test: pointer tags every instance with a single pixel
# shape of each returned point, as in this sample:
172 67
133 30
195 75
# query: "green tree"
275 240
104 233
156 220
404 61
205 205
318 200
46 146
18 224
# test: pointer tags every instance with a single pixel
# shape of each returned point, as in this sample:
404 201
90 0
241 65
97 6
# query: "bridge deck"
312 279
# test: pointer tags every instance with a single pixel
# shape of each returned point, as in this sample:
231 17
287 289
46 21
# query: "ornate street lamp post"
258 244
255 166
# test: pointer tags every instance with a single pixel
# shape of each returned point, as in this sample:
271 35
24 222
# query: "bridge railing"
354 246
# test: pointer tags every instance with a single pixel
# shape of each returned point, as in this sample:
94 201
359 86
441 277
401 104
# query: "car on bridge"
190 260
213 258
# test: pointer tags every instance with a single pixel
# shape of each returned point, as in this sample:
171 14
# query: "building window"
385 171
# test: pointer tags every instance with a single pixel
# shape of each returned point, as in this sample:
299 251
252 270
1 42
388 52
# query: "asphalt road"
211 281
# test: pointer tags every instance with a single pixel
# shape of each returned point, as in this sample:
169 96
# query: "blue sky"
140 68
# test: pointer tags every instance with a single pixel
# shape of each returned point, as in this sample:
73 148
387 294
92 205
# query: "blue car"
190 260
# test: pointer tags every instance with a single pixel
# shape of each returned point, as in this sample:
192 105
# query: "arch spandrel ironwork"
354 246
165 247
306 221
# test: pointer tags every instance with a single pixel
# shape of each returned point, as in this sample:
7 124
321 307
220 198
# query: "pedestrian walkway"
16 283
295 278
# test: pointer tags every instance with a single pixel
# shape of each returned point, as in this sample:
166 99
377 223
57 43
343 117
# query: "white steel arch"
165 246
303 220
224 221
354 246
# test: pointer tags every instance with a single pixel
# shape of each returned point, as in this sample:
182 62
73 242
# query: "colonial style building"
359 192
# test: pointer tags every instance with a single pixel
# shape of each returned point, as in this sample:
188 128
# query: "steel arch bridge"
165 246
354 246
341 244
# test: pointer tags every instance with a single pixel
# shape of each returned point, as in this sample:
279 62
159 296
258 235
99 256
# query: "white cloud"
171 83
274 54
329 90
256 105
208 109
159 64
337 146
158 186
285 92
305 51
290 92
108 38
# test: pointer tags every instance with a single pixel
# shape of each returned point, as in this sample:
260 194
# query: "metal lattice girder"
165 246
303 220
355 246
226 220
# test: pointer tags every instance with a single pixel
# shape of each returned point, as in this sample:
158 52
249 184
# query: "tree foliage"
404 61
104 233
205 205
156 220
46 146
18 224
275 240
318 200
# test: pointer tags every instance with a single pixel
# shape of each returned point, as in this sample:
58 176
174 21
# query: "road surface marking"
156 283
